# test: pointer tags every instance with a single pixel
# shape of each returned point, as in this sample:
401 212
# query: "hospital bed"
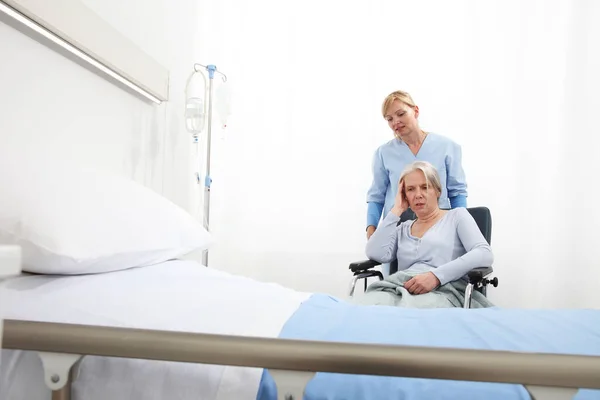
477 278
107 308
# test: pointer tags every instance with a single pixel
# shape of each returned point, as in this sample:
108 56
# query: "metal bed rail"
293 363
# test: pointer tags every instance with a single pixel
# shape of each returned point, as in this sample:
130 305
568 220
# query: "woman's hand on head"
401 202
423 283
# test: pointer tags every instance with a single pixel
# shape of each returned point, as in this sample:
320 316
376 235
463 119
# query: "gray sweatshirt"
450 248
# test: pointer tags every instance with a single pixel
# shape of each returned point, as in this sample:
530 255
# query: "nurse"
410 144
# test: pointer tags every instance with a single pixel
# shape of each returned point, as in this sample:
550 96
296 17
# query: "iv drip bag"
195 104
223 102
194 115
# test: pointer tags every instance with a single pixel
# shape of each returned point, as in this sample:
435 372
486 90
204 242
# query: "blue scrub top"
391 158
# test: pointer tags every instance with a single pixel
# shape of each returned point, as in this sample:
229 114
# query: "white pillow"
79 220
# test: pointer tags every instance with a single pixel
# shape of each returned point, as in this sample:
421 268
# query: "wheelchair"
477 277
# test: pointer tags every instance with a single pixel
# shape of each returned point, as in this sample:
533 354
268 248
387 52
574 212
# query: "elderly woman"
411 143
439 246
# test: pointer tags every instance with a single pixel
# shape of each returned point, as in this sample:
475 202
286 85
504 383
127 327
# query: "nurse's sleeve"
456 182
458 201
377 191
374 211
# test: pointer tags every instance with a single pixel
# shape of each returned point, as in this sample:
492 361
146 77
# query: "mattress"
177 296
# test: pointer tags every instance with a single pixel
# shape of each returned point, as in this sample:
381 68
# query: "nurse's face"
402 119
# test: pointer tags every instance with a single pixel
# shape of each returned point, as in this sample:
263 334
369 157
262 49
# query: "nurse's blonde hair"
397 95
431 175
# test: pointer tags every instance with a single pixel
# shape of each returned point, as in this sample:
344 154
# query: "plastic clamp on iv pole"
211 71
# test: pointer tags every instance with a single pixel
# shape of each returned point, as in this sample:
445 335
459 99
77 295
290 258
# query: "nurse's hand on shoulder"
401 202
423 283
370 231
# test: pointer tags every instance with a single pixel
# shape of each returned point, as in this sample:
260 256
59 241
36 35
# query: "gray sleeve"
383 244
478 251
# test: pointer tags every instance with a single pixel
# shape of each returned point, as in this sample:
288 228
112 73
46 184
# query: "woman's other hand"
423 283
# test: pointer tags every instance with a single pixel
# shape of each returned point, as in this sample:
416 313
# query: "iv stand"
207 179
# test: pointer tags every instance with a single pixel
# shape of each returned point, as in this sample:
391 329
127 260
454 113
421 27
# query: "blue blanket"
326 318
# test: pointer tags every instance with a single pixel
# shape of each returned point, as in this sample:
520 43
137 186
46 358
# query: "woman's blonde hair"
397 95
431 175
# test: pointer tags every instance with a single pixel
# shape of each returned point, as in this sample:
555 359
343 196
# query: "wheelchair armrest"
363 265
477 275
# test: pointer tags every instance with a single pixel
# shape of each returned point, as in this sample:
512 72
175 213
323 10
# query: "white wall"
512 81
53 107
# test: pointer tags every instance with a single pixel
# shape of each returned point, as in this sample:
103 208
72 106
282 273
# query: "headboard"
72 28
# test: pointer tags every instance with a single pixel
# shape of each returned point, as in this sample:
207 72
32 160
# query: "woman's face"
421 199
402 119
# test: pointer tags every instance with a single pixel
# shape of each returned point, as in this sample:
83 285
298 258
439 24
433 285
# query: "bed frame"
293 363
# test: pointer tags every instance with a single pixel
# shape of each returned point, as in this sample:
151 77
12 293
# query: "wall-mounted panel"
75 23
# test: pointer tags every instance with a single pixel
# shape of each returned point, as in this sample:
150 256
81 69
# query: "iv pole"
212 69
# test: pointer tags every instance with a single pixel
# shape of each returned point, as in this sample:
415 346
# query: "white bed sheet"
176 295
